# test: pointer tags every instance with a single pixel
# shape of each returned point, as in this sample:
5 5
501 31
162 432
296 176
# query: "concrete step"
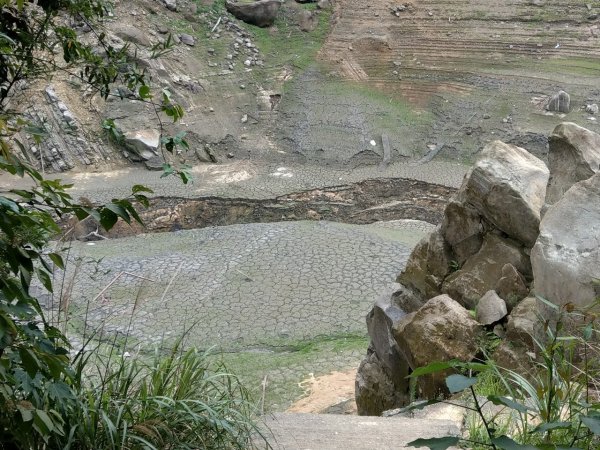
287 431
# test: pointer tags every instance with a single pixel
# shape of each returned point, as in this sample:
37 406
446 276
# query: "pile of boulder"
515 230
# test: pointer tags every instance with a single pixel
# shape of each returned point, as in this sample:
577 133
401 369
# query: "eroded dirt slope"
473 70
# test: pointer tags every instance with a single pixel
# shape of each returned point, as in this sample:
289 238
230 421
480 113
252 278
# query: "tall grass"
181 400
174 398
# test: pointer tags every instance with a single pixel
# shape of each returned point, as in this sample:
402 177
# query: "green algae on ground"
284 370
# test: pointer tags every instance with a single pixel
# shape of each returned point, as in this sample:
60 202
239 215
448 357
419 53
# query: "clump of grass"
179 400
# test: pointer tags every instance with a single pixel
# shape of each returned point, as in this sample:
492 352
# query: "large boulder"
441 330
507 186
143 143
375 391
511 287
482 271
574 155
525 334
559 102
307 20
566 256
526 323
261 13
462 229
428 265
381 321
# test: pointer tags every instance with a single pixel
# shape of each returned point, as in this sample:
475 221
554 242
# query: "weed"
552 408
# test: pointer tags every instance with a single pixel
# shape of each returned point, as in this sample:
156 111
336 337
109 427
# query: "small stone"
242 86
187 39
230 155
247 63
211 51
490 309
591 109
245 118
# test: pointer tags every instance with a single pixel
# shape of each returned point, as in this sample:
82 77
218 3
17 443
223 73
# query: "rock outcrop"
566 256
574 155
442 330
261 13
493 221
507 186
383 370
490 250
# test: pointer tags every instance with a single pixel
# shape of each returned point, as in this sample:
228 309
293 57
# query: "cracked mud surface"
282 300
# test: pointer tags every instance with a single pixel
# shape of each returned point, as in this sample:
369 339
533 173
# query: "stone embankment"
516 229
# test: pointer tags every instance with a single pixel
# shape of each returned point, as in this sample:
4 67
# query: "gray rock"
324 4
526 323
129 33
261 13
375 391
428 265
441 330
481 272
491 308
307 20
507 186
170 4
381 320
462 229
155 163
566 256
143 143
51 94
574 156
511 286
560 102
407 299
591 108
187 39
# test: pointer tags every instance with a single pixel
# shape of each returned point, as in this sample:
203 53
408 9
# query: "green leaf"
434 367
44 278
57 260
593 423
26 413
588 331
43 423
435 443
141 188
167 170
506 443
108 218
144 91
497 400
60 391
458 383
9 204
119 211
547 302
548 426
29 362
